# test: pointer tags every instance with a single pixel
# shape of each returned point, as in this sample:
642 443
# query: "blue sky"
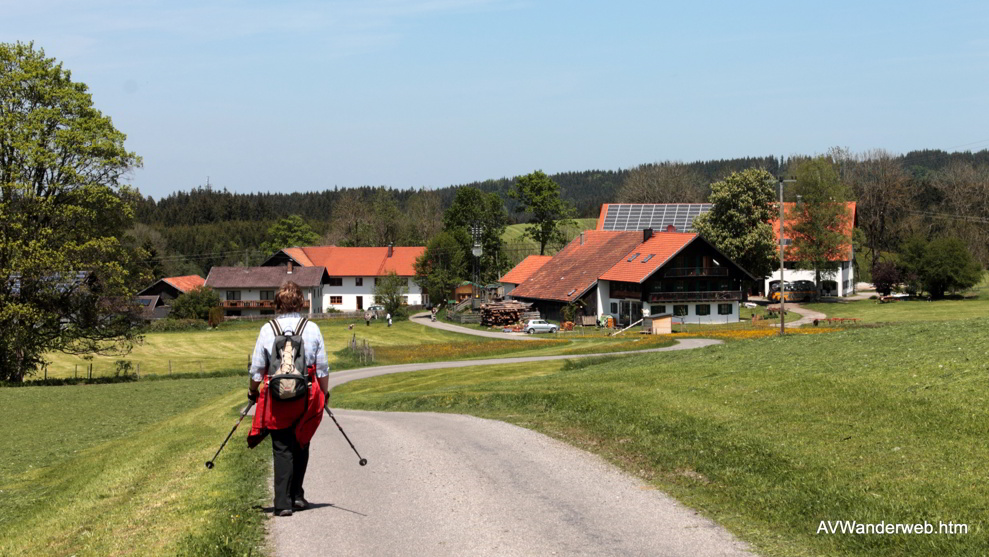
308 95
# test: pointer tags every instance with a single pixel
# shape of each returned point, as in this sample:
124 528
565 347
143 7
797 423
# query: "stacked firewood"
501 314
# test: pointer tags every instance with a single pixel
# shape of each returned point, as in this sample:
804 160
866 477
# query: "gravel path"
452 485
423 319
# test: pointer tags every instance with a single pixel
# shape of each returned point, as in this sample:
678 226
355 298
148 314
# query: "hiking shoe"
300 503
284 512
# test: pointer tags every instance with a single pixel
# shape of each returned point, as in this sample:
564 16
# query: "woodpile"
501 314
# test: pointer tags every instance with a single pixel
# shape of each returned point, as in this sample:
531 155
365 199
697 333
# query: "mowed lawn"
769 437
119 469
973 304
230 346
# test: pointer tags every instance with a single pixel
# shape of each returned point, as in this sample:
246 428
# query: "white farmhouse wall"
845 277
349 293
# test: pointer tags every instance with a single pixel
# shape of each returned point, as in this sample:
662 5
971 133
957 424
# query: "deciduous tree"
441 267
819 221
195 304
288 232
539 196
390 291
738 223
64 281
666 182
472 207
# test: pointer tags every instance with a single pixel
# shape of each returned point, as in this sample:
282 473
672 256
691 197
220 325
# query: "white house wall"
605 300
845 277
349 291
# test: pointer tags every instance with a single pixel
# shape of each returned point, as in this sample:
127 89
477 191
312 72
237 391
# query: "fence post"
139 369
90 372
76 374
169 367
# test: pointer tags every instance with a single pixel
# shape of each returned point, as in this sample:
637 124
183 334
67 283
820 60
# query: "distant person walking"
367 317
389 319
291 422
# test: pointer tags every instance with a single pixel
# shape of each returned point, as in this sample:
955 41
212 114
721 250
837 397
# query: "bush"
195 304
885 276
939 266
215 316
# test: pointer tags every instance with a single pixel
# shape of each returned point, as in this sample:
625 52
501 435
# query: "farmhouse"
631 274
837 283
353 272
250 291
522 271
156 300
680 216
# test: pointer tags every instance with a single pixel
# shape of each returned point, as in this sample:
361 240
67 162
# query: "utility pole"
782 266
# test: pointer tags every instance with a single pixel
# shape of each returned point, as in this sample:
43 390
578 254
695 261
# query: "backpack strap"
302 325
275 327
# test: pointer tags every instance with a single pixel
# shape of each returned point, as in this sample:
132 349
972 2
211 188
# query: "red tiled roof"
263 277
525 269
789 209
186 283
358 262
576 268
662 246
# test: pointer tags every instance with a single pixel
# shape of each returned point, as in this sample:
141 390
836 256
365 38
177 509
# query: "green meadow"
119 469
769 437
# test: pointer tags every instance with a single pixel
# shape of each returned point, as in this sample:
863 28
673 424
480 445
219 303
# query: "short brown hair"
289 298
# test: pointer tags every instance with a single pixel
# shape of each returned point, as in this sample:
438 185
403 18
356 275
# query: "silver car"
539 326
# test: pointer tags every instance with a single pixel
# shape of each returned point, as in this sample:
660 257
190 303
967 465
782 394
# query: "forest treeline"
190 231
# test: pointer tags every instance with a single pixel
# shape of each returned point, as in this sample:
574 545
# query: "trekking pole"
209 463
362 461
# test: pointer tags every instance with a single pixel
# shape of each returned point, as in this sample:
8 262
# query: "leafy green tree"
738 223
539 196
64 280
941 265
441 267
818 222
195 304
390 292
289 232
472 207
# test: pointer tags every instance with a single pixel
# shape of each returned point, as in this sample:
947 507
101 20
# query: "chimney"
581 238
646 234
290 267
391 250
671 228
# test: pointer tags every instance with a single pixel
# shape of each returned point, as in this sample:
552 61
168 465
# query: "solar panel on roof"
658 216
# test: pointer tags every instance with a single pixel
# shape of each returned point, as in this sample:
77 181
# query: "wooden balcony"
253 304
707 296
696 272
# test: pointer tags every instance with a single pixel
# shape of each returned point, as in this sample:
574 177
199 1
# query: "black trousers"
291 460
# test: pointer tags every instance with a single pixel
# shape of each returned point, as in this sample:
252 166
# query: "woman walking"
290 417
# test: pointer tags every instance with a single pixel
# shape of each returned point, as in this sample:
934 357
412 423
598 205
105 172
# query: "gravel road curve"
453 485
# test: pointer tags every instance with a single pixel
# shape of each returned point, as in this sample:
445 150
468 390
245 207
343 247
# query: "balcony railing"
713 296
696 272
253 304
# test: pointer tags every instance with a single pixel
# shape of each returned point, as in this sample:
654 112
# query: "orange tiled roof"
662 246
185 283
844 253
358 262
576 268
524 270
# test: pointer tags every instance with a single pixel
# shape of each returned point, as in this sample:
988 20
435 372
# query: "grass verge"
118 469
769 437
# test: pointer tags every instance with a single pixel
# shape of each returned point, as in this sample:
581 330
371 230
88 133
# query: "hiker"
433 312
280 370
389 319
367 317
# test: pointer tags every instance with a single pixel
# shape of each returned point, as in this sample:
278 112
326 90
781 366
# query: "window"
657 310
336 300
680 310
703 309
267 312
634 255
359 281
233 295
614 307
376 281
724 309
336 281
648 257
267 294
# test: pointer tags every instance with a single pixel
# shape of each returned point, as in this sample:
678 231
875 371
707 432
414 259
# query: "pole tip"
362 462
209 465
